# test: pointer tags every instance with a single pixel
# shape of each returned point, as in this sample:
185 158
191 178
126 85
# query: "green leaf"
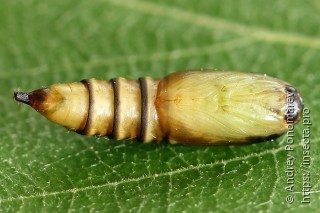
45 168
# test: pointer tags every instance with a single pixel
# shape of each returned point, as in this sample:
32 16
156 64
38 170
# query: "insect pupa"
191 107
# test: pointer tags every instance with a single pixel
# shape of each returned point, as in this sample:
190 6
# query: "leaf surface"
45 168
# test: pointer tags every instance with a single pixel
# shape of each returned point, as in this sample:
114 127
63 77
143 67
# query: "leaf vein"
158 56
216 23
145 177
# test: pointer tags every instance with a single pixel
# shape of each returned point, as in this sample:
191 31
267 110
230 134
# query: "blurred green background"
45 168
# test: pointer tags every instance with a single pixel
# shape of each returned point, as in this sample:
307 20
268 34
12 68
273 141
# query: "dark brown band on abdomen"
115 84
87 126
144 108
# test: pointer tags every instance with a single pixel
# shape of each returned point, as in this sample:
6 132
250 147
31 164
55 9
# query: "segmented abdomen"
122 108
